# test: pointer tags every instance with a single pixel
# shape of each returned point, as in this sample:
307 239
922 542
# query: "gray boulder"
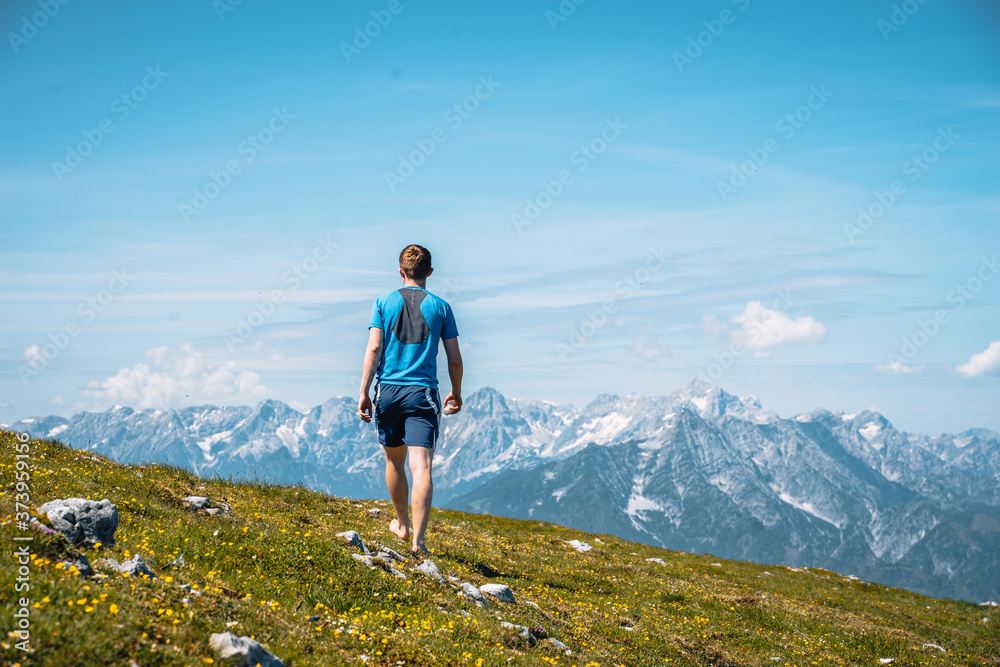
135 566
236 651
522 630
196 502
82 520
354 540
474 593
430 569
501 592
82 565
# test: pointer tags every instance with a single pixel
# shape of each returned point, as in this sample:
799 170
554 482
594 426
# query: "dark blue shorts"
407 415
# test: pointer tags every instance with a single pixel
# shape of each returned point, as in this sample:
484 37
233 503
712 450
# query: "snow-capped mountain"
698 470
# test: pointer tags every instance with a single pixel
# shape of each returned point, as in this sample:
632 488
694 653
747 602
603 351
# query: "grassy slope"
275 562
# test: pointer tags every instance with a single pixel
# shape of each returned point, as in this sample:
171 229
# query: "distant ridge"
698 470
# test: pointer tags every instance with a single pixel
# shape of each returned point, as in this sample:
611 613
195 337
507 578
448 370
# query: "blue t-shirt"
412 321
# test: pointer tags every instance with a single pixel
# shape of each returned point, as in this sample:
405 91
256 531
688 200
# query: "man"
403 337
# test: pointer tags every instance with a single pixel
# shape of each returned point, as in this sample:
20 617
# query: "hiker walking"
403 336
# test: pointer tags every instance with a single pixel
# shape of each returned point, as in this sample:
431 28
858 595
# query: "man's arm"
372 356
454 355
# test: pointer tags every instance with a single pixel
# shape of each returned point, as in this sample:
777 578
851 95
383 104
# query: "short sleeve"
449 328
377 316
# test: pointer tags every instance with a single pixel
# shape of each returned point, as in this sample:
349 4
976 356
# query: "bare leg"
395 479
421 459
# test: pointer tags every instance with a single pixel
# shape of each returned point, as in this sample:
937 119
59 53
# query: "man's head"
415 263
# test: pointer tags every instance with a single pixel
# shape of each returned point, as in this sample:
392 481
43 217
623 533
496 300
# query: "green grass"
275 562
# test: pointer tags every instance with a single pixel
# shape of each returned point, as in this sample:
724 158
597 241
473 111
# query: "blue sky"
199 201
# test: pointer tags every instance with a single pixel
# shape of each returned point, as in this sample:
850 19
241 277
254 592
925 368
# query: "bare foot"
419 549
402 532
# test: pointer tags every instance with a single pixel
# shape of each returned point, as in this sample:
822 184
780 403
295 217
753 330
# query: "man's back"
414 321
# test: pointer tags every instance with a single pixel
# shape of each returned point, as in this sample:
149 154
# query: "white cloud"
33 354
898 368
57 400
762 327
175 376
987 361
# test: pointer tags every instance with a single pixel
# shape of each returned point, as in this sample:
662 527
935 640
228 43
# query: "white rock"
579 546
196 502
522 630
242 651
501 592
474 594
430 569
655 560
82 520
354 540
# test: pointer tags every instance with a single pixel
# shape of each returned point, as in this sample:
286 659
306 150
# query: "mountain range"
698 470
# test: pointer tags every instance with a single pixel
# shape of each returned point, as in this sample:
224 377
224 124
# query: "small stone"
365 558
522 630
136 567
474 594
430 569
354 540
313 619
579 546
196 502
242 651
393 554
82 565
558 644
82 520
374 510
212 510
532 604
655 560
464 614
501 592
